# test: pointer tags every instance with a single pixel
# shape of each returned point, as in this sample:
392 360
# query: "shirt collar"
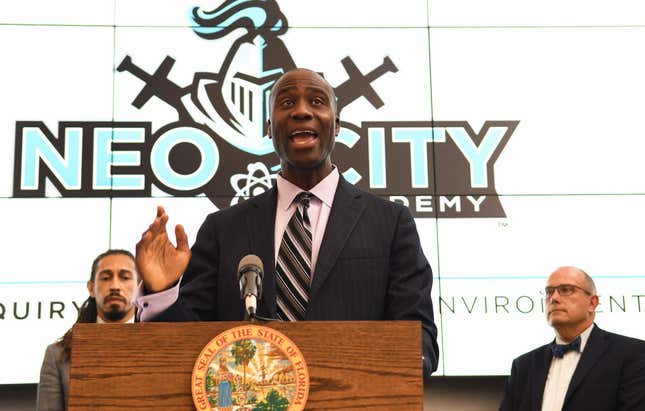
99 320
324 190
584 336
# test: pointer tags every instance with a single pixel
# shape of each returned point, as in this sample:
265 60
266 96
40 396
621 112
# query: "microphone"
250 273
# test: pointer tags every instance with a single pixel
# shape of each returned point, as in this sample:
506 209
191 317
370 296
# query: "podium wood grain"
372 365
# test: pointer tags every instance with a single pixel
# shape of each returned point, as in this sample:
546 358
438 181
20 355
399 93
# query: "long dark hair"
88 312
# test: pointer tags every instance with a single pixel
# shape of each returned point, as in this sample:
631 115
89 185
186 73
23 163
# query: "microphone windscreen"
250 260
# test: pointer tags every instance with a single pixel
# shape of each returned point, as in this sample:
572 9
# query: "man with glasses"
585 368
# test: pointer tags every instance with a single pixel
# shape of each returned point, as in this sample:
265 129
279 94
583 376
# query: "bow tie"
559 350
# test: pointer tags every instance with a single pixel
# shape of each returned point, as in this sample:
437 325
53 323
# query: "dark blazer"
370 265
609 377
53 388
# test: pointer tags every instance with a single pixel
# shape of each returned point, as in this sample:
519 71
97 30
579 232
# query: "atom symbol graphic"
251 184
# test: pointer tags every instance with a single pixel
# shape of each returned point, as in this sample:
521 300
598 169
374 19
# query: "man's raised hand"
159 262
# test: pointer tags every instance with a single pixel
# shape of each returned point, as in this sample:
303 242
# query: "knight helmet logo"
218 145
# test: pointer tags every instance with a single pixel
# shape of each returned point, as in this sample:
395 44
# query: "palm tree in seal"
243 351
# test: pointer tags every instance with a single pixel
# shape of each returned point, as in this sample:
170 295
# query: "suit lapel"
540 372
345 212
261 230
596 345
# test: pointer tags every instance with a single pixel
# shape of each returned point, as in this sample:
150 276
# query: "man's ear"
269 128
337 125
594 303
90 288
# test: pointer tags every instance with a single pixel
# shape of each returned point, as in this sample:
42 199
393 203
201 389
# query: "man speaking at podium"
330 250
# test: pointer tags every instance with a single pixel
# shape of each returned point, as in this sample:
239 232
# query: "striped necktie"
293 268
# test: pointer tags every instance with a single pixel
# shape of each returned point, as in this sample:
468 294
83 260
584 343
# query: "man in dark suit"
366 259
585 368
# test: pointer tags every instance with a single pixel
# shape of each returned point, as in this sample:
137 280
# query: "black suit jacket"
370 265
610 376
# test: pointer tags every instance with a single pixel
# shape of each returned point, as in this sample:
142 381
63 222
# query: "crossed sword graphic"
158 84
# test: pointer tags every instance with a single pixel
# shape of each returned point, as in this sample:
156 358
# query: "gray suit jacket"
53 388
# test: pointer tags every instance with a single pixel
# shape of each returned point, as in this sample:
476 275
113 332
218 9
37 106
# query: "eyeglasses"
564 290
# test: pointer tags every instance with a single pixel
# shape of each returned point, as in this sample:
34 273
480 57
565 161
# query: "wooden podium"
374 365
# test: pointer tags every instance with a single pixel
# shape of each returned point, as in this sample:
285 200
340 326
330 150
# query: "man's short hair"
334 99
590 285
